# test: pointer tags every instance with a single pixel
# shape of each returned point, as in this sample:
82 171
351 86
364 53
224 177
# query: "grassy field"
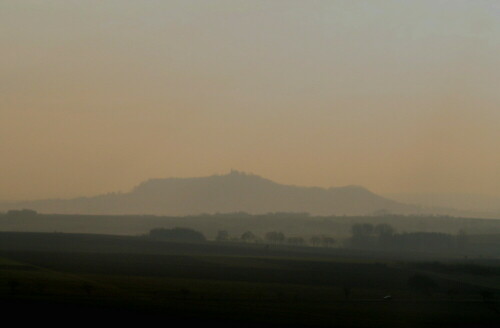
127 278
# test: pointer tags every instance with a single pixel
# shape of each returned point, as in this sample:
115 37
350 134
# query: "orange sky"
397 96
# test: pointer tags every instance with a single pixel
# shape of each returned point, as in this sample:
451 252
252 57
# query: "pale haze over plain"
397 96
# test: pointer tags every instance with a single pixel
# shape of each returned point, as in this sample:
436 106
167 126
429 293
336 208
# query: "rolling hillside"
233 192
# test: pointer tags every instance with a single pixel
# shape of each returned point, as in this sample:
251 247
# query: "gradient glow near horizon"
397 96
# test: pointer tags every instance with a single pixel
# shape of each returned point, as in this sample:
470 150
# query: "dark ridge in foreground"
133 280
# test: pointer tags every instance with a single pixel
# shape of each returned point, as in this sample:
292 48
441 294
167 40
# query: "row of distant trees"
177 234
365 235
276 237
271 237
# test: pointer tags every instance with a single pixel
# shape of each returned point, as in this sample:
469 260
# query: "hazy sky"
397 96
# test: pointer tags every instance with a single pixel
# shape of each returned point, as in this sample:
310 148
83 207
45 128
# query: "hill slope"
232 192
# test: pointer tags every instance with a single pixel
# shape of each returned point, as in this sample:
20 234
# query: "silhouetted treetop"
177 234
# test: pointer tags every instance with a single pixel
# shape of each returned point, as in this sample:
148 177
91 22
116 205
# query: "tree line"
276 237
271 237
383 236
363 236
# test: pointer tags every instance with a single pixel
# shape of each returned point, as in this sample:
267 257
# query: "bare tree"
297 241
315 240
275 237
222 235
248 236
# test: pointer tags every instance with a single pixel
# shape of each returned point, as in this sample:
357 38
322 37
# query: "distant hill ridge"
233 192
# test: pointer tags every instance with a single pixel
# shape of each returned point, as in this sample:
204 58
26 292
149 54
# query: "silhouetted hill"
233 192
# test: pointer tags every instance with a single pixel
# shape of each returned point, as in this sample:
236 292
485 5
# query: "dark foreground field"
67 279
